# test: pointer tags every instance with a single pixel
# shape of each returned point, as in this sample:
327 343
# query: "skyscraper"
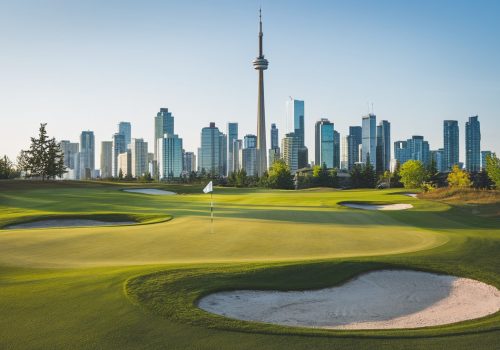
274 136
437 156
473 144
212 153
295 110
451 145
119 147
274 151
87 154
124 164
324 143
369 139
106 159
232 134
69 150
249 155
125 129
189 162
354 140
260 64
170 157
484 156
164 124
336 149
139 157
384 146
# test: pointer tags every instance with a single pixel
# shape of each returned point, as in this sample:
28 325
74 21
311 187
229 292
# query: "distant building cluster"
221 154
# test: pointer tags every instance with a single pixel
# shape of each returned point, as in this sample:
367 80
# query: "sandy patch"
152 191
67 223
376 300
400 206
413 195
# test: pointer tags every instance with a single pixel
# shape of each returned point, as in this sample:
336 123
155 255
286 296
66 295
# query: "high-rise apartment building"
415 148
290 151
484 156
212 153
473 144
451 143
189 162
336 149
125 129
87 154
170 158
106 159
119 147
69 150
249 155
369 139
324 143
384 146
354 141
232 134
139 157
438 157
237 148
124 164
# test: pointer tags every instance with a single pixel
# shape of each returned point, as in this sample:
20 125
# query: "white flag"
208 188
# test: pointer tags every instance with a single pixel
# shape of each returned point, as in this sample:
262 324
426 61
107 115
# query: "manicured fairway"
136 286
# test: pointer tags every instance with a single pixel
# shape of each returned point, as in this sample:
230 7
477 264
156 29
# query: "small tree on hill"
459 178
493 169
7 169
413 174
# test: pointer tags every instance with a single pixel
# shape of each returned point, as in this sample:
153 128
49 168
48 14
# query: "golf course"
127 269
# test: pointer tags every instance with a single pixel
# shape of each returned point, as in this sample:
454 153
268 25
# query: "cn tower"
260 64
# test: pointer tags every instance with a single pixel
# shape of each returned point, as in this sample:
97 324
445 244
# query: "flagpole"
211 213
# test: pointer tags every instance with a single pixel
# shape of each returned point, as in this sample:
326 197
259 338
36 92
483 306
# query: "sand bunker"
67 223
413 195
376 300
152 191
399 206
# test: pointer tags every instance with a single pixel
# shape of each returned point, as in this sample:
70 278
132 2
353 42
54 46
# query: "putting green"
136 286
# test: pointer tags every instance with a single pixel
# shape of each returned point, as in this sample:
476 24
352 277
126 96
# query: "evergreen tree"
396 176
369 175
356 176
44 158
7 170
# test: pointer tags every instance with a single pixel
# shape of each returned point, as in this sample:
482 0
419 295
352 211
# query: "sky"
87 65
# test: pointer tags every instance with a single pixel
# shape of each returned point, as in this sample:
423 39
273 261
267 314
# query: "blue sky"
81 65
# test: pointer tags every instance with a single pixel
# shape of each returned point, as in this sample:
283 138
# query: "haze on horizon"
88 65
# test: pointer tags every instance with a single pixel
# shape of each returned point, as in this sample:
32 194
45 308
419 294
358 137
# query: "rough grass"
463 195
136 286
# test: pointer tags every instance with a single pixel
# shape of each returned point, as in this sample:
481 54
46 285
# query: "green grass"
136 286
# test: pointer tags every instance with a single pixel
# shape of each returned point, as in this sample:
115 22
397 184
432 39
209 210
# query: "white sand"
376 300
414 195
152 191
67 223
378 207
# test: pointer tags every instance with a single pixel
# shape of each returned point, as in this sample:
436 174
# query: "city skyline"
340 108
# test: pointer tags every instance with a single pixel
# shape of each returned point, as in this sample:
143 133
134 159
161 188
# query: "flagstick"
211 213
